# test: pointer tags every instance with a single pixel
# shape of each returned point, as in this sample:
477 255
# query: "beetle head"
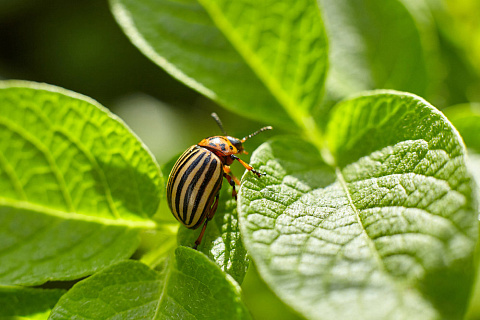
237 143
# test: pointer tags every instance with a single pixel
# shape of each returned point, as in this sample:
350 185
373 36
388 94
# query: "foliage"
368 195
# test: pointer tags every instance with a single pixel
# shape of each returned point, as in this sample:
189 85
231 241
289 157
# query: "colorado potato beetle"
196 178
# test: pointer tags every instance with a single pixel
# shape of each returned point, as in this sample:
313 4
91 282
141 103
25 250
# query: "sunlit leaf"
390 221
189 287
76 185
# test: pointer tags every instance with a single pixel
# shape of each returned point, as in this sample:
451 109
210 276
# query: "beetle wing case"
194 181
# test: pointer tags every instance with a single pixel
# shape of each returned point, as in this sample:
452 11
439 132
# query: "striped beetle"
196 178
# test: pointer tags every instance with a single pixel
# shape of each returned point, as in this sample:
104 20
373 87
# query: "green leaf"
127 290
189 287
275 69
373 44
180 37
27 303
76 185
206 292
391 222
283 42
222 242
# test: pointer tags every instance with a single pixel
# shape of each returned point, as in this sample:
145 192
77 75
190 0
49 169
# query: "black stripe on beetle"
186 156
203 170
206 181
186 173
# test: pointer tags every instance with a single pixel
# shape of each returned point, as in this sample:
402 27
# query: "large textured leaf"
222 242
189 287
387 232
265 60
76 186
27 303
373 44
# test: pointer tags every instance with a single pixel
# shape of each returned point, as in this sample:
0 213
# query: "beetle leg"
247 166
210 215
232 183
227 170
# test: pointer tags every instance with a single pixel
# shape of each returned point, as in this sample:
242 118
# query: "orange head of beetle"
223 145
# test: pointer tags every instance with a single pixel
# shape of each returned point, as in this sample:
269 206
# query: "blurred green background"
78 45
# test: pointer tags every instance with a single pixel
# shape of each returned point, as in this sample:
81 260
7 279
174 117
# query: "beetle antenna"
219 122
256 132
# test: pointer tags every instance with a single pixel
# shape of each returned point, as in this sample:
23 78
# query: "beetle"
195 181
